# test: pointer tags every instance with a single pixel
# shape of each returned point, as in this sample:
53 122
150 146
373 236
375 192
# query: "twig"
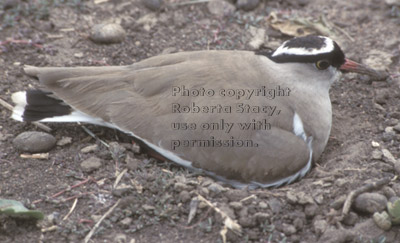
94 135
71 210
35 156
28 42
89 235
353 194
61 192
38 124
6 105
228 221
119 177
190 2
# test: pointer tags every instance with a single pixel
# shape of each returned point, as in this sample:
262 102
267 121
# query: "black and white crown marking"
308 49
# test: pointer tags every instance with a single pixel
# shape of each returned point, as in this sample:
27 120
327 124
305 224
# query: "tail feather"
39 105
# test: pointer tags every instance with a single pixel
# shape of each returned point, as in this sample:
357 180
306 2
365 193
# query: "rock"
389 156
376 154
304 198
341 182
288 229
388 191
216 188
350 219
375 144
184 196
236 194
91 164
247 5
226 209
311 210
120 238
107 33
64 141
117 151
263 205
204 192
382 220
320 226
275 205
370 202
332 235
298 223
132 163
381 96
393 2
368 229
393 122
291 197
178 186
236 205
148 21
258 37
262 217
126 221
338 203
220 8
148 207
90 148
396 128
34 142
153 5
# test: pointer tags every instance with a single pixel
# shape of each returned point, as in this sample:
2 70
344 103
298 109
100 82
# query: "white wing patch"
19 99
329 46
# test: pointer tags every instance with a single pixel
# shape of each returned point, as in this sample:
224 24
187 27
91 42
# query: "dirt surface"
155 198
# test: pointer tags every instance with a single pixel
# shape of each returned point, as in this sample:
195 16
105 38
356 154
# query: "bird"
251 119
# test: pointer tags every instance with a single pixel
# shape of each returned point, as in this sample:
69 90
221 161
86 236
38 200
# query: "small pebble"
288 229
34 142
350 219
120 238
153 5
247 5
220 8
320 226
236 205
275 205
126 221
396 128
370 202
389 156
216 188
107 33
262 217
263 205
377 155
375 144
64 141
382 220
89 149
91 164
148 207
132 163
178 186
184 196
311 210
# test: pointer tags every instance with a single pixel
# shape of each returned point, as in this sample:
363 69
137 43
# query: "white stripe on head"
301 51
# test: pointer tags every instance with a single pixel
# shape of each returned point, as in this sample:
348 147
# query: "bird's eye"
322 64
